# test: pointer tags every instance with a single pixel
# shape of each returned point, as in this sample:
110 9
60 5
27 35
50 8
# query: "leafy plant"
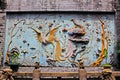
14 56
13 59
118 47
106 52
118 55
3 4
107 65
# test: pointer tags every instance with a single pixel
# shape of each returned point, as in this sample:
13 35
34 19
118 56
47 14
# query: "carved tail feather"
58 53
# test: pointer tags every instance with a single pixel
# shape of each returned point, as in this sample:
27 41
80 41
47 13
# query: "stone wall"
117 22
60 5
57 5
2 33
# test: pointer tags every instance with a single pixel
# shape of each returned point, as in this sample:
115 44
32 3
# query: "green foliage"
106 52
3 4
118 48
14 58
118 51
107 65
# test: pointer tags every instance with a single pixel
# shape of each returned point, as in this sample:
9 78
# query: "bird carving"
51 38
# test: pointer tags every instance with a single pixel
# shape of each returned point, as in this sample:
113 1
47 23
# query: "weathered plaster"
60 5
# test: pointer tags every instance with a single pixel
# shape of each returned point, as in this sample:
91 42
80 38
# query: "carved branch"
11 36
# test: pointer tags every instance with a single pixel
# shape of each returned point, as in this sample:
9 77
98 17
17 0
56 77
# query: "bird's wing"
53 31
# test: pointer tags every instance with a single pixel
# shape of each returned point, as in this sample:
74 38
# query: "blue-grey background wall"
24 38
